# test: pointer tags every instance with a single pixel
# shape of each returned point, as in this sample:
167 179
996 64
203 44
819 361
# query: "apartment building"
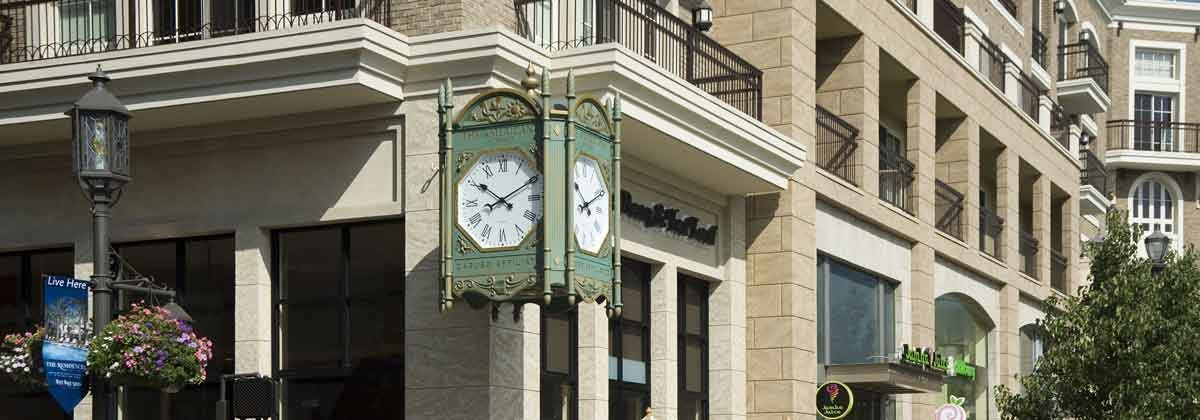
882 174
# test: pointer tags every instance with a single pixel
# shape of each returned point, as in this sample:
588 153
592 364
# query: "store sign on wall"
834 400
669 219
929 359
952 410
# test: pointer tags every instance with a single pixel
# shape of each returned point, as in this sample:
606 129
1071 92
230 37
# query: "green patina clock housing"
545 266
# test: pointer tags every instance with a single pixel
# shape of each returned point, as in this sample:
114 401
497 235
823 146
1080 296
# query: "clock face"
500 199
591 204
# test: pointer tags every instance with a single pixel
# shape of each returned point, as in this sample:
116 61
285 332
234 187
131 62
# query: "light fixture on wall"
1060 6
1085 36
702 15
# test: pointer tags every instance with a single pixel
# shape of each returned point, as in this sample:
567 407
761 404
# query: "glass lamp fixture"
100 135
702 15
1157 245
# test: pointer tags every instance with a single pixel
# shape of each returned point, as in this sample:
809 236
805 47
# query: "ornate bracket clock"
529 203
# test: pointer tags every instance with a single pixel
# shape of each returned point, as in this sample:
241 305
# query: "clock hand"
527 183
588 204
499 200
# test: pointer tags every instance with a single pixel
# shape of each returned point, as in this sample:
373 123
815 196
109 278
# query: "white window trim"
1172 187
1159 85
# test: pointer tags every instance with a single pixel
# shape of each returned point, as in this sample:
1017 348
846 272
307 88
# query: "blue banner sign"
64 351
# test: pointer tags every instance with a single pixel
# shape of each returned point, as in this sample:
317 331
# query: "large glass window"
1154 63
21 309
341 321
962 332
629 345
85 21
559 365
1153 114
201 270
693 348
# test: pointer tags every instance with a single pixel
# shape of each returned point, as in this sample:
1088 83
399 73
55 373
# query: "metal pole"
102 297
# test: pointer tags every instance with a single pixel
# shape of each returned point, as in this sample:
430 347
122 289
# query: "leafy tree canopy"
1127 346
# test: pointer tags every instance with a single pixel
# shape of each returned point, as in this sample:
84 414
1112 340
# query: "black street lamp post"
100 134
1157 245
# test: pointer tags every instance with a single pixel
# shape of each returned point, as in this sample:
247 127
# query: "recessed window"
559 365
693 348
341 321
1157 64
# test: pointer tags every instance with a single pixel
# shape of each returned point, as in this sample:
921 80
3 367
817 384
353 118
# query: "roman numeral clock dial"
591 201
499 200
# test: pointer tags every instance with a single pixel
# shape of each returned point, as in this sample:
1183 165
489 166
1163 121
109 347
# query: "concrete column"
1075 136
922 147
972 42
664 343
1072 246
727 325
925 12
781 304
1008 347
1041 226
593 362
958 166
252 296
1012 82
1045 112
1008 204
515 370
923 323
848 86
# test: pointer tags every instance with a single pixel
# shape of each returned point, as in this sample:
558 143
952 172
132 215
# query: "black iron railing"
991 232
948 209
652 32
1058 271
1031 96
1060 125
948 21
895 179
41 29
992 62
1154 136
1039 47
1093 172
1082 60
1010 6
837 145
1029 251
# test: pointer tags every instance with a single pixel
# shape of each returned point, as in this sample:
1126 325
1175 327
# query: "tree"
1127 346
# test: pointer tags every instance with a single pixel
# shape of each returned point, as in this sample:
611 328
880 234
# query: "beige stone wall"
1187 184
420 17
1119 60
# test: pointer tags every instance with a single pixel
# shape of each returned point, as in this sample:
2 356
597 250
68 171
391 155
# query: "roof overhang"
886 377
1151 160
1082 96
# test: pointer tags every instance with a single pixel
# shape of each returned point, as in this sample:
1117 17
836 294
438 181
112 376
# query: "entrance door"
1152 114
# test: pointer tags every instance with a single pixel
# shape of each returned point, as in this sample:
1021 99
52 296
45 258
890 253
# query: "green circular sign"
834 400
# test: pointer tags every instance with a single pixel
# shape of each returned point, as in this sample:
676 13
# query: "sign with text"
834 400
64 351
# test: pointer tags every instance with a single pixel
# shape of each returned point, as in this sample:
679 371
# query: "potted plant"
20 357
146 347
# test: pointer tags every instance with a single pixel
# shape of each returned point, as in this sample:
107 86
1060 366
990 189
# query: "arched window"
963 332
1153 207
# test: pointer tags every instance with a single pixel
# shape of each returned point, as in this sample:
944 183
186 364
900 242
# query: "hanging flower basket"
146 348
21 358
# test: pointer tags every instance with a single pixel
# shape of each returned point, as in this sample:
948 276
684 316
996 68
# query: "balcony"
1082 79
1093 185
948 209
837 142
948 21
1039 47
1153 145
991 232
652 32
895 179
1060 126
41 29
1028 248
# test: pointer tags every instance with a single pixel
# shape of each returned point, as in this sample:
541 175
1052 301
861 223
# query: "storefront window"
559 369
693 348
962 332
21 309
629 345
201 271
341 321
856 323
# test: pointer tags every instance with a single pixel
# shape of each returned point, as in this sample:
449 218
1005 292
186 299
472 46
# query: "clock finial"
530 82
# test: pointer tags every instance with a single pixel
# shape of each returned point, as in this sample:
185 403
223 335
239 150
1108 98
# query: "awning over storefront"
886 377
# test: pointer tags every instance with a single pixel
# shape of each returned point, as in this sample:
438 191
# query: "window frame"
572 377
1154 53
1173 215
617 387
702 286
345 369
887 336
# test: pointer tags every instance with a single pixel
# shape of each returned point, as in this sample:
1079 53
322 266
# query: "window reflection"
629 344
21 309
693 348
962 332
559 371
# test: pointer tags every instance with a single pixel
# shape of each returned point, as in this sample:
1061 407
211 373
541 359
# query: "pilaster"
1072 245
1008 353
252 297
922 297
1041 226
922 147
1008 204
848 86
664 343
727 324
593 362
958 167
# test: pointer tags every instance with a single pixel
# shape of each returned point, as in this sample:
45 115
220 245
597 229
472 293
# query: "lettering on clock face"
591 203
499 199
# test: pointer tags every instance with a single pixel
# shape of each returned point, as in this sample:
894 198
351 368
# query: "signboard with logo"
929 359
952 410
64 351
834 400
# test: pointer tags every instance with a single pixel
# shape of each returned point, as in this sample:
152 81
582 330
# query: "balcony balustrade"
1093 172
1058 271
1039 47
1060 126
948 209
1028 248
991 232
1081 60
1154 136
837 144
895 179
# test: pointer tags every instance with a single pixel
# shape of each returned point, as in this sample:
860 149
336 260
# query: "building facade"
881 175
